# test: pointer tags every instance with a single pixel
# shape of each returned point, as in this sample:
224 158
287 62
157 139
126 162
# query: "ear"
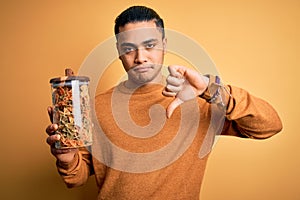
119 52
117 46
165 45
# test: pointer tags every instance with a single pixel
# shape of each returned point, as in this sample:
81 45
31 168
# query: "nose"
141 56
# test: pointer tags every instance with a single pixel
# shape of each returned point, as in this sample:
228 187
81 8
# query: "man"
187 101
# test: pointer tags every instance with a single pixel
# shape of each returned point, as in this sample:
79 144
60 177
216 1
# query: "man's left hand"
184 84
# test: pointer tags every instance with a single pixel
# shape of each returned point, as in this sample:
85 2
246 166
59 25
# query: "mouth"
142 68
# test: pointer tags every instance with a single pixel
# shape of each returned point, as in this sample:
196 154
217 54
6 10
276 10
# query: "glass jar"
71 111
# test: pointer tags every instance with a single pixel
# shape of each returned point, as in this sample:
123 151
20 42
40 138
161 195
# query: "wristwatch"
214 93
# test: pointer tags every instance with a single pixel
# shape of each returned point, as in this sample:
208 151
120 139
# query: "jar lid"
69 78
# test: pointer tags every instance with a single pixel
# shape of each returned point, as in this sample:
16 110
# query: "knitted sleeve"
77 172
249 116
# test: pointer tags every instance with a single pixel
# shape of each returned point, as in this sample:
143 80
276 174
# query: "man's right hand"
62 155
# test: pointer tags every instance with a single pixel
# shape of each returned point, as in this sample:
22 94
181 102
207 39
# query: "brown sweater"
143 155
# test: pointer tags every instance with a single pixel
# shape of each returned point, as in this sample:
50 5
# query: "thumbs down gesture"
184 84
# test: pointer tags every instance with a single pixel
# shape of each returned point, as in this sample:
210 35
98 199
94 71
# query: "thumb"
173 105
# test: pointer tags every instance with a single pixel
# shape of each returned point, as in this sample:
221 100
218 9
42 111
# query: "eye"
127 50
150 46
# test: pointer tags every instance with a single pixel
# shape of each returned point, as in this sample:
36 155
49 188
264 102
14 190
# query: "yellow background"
254 43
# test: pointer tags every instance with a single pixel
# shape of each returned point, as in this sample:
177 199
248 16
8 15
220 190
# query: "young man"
160 158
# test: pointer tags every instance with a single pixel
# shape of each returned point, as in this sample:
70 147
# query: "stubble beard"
143 78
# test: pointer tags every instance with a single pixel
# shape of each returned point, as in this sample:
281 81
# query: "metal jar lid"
69 78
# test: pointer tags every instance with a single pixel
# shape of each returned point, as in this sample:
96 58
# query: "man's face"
141 49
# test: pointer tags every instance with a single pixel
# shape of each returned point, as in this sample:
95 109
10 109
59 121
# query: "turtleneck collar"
143 89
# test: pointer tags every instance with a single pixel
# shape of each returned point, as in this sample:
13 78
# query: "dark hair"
138 14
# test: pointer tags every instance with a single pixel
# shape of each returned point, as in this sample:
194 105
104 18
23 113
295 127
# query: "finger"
52 139
55 151
51 129
168 93
173 105
175 71
172 88
50 113
174 80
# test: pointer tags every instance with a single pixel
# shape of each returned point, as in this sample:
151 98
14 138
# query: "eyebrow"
127 44
149 41
144 42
